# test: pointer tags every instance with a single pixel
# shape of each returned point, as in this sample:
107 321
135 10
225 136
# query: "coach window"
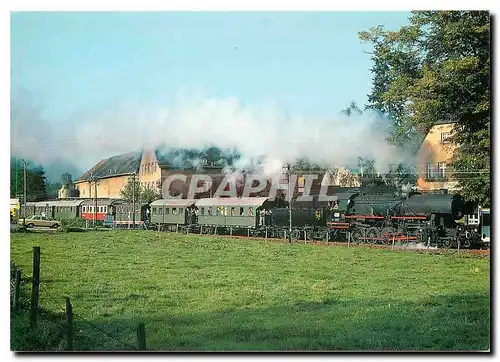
241 211
250 211
154 210
233 211
180 210
209 211
167 210
202 211
174 211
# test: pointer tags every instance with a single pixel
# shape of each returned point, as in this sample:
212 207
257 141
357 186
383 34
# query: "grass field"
212 293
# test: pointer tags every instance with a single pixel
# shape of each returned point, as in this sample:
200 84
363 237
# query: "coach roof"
174 202
232 201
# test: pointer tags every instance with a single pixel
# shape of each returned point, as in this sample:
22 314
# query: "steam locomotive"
380 215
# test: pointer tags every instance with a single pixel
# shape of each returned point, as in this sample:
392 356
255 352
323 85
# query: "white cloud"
198 122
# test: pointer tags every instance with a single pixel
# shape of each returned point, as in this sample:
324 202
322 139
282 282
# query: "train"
375 215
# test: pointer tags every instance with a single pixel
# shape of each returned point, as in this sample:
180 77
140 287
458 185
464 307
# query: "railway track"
408 247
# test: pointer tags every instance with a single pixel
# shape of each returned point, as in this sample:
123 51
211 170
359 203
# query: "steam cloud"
256 132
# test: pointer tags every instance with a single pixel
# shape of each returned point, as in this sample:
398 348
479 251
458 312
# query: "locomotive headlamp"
336 214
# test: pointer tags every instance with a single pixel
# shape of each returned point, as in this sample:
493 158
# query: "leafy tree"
437 68
35 180
129 192
66 179
149 195
352 109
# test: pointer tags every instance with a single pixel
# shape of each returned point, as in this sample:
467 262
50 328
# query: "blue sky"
306 63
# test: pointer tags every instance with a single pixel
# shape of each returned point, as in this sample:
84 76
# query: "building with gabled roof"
151 167
110 174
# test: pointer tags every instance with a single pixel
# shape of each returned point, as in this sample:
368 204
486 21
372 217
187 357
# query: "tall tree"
437 68
149 195
35 180
128 192
66 179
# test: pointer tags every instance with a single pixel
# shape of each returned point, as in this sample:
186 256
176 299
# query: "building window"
442 169
430 170
445 137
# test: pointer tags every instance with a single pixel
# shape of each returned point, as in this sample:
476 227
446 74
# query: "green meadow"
209 293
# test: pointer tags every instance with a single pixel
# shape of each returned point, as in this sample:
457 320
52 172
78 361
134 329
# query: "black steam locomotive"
380 215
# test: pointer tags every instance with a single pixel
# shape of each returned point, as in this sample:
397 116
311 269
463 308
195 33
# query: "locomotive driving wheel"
357 235
372 236
387 234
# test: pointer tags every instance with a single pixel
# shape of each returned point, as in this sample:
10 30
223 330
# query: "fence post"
69 318
35 286
392 242
348 238
327 235
17 289
266 232
141 336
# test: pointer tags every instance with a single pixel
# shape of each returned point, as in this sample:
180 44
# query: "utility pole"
25 194
15 185
95 198
133 200
290 203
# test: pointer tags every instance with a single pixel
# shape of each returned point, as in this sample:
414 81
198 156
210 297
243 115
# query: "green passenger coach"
173 211
230 212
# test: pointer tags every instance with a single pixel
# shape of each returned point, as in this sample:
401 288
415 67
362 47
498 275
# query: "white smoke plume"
256 132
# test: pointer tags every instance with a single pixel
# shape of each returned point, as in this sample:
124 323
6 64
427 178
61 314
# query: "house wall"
434 153
109 187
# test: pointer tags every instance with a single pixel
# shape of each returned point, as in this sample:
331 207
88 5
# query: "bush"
75 224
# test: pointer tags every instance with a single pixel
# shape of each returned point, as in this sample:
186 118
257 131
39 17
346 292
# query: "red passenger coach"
104 207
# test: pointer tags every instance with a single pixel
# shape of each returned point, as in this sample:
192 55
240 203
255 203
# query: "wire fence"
54 310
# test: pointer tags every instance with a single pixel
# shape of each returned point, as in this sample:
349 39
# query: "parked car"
41 221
